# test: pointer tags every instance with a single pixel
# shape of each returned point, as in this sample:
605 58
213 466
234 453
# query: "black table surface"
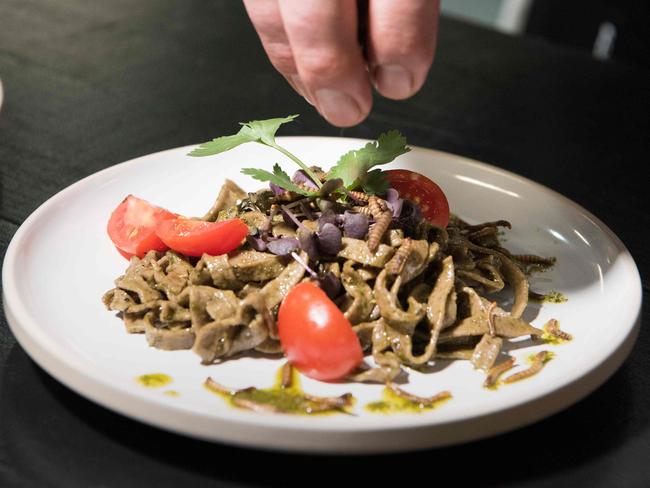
91 84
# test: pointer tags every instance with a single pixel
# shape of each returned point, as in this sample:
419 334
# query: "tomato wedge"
132 227
421 190
197 237
315 335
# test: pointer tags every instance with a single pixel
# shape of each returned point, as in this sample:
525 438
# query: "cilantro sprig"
354 168
260 131
278 177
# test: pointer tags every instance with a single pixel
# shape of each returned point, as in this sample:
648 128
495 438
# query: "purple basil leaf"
329 239
282 246
301 177
308 243
327 217
278 190
355 225
256 243
394 202
330 284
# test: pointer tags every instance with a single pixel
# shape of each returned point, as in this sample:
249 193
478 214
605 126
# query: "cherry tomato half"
315 335
421 190
132 227
197 237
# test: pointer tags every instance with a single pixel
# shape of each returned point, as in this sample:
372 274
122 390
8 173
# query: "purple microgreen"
282 246
330 284
293 220
257 243
327 217
308 243
301 177
329 239
394 202
302 263
355 225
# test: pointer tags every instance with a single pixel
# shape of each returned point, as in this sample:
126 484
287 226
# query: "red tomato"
315 335
196 237
132 227
421 190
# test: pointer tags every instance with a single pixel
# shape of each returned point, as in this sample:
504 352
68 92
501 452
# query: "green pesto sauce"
288 400
530 359
550 297
154 380
392 403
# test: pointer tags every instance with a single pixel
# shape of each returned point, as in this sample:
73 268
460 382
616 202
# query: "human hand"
314 44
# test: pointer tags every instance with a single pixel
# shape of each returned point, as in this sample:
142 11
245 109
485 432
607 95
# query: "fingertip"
339 108
393 81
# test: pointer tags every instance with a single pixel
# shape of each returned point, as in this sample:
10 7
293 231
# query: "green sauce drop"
393 403
154 380
281 399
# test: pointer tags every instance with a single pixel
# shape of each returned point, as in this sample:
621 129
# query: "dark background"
91 84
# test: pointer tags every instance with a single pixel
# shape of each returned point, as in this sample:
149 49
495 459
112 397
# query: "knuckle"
281 58
327 63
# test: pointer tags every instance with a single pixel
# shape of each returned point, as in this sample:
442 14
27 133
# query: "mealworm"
397 262
485 231
254 406
497 223
377 206
361 210
287 375
359 196
496 371
382 222
212 385
533 259
425 401
536 367
553 328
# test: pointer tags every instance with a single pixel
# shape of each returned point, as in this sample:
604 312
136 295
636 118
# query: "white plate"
60 262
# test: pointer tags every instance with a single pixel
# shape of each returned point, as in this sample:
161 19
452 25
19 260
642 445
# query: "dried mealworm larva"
397 262
362 210
538 363
359 196
485 231
379 229
496 371
425 401
377 206
553 328
533 259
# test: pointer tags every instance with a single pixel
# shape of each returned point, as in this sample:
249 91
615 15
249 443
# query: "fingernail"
300 87
337 107
393 81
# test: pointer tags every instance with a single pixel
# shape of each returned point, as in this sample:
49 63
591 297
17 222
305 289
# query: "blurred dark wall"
577 23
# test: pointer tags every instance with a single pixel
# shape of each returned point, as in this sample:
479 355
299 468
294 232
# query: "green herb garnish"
278 177
353 168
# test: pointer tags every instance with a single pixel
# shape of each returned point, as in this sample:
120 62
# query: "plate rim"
42 348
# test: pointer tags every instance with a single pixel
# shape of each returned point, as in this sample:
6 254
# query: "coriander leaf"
279 177
262 131
375 182
353 167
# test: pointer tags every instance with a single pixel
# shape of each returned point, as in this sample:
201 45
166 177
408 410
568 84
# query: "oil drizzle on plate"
154 380
286 396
